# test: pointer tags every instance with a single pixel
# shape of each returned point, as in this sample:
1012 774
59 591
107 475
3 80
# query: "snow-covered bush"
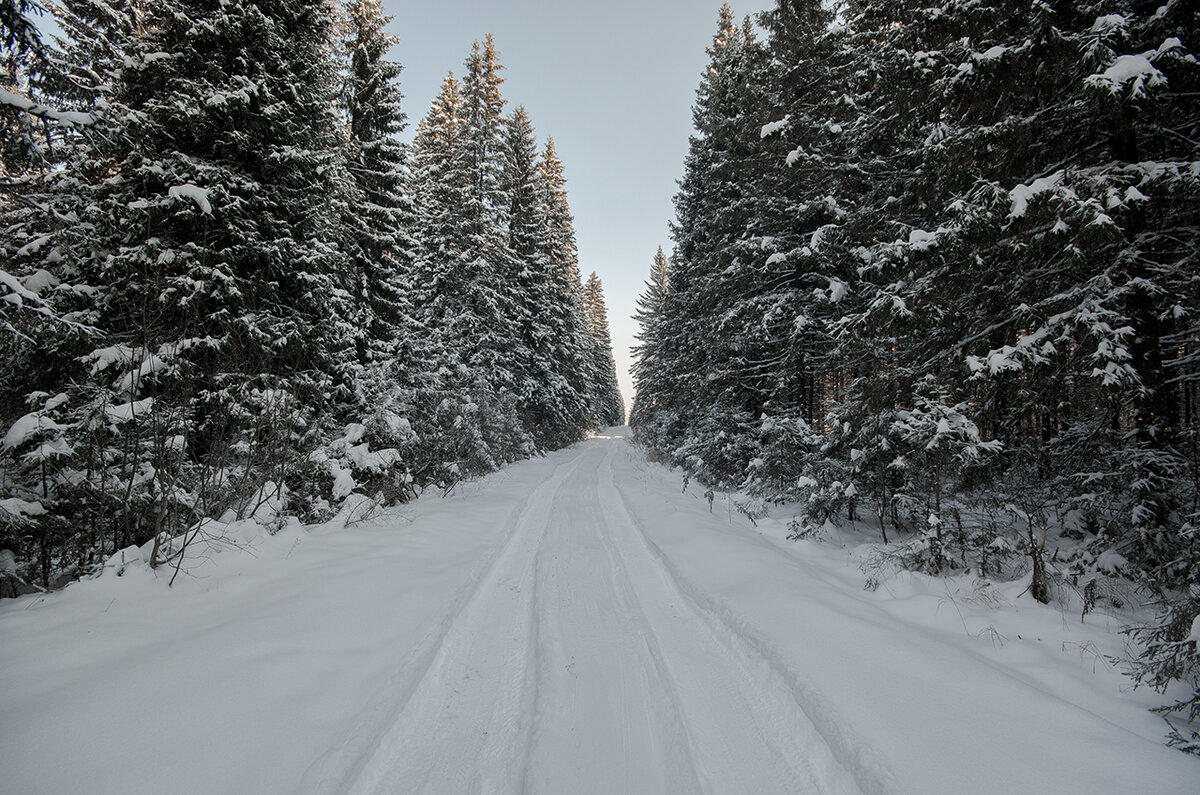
785 447
1170 662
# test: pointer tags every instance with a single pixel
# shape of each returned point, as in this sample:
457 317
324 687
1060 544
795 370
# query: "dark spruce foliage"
937 268
230 290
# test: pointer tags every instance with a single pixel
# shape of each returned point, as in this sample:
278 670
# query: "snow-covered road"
577 666
573 625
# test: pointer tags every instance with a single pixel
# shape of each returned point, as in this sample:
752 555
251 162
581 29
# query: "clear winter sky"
612 81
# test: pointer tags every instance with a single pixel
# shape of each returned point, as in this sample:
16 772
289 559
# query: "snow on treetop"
1108 22
14 506
818 236
41 280
103 357
124 412
353 434
28 427
1111 561
150 364
921 240
197 194
19 291
33 246
773 127
837 290
1021 194
1129 68
832 205
1133 194
1170 44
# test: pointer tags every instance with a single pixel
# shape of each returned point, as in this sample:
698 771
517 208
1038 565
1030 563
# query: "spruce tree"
605 392
553 405
379 221
713 378
203 221
562 255
647 353
464 296
490 336
803 206
448 444
376 232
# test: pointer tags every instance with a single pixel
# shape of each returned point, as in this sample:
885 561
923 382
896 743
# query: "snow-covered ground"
575 624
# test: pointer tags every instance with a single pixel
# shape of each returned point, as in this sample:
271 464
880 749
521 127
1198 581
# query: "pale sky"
613 83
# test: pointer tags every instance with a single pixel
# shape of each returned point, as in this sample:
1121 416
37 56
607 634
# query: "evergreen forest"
936 269
230 288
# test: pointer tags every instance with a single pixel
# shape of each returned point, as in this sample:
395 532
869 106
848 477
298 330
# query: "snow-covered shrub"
862 464
720 448
356 465
785 449
1170 658
940 442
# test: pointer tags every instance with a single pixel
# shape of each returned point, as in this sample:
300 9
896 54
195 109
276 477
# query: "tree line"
938 266
230 286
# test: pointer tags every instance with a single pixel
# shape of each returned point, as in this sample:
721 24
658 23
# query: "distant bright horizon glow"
613 84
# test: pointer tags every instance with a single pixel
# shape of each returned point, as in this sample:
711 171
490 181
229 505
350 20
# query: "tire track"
361 762
607 716
762 670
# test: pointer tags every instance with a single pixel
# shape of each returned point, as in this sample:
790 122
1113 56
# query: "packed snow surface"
575 624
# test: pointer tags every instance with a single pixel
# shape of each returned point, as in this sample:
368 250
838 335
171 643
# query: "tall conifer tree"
554 402
205 226
605 392
648 356
380 219
562 255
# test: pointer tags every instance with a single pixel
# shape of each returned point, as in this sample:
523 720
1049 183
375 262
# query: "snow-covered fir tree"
463 270
606 394
647 354
377 236
713 390
496 282
562 254
553 395
379 219
212 347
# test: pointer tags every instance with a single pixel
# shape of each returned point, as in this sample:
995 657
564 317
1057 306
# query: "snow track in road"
463 725
797 734
608 715
577 664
